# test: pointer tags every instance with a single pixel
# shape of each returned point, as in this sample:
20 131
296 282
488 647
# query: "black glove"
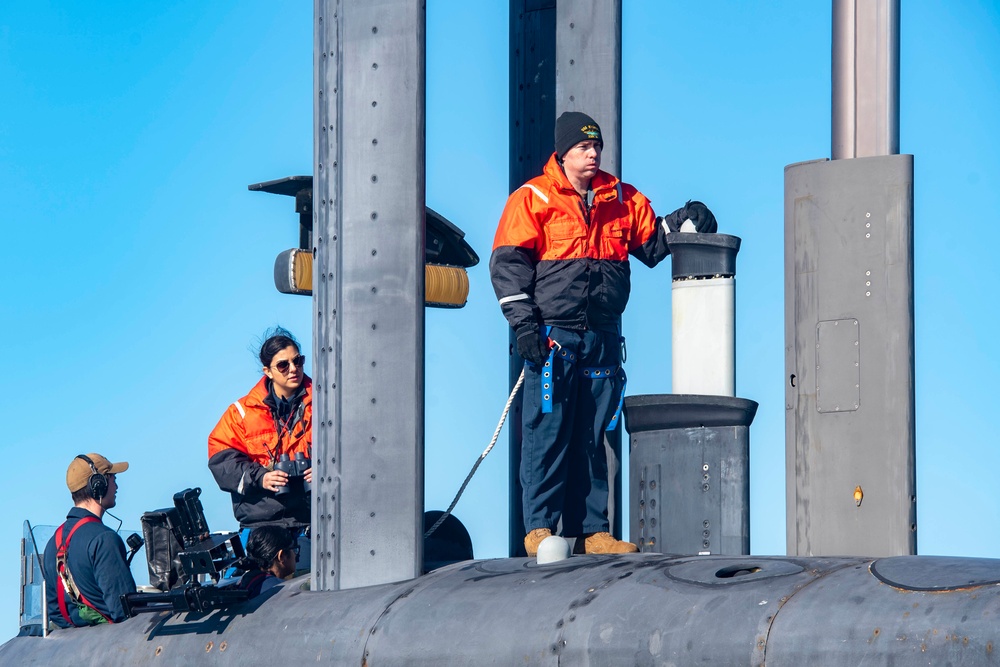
532 347
703 219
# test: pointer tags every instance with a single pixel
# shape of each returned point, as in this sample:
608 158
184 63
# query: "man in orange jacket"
560 270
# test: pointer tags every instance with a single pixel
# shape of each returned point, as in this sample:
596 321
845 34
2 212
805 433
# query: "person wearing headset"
85 566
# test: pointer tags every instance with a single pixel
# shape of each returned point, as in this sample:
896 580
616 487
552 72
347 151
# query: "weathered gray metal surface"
849 357
865 60
532 126
368 304
923 615
644 609
589 69
689 473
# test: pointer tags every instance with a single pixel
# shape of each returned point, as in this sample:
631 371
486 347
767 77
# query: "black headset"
97 485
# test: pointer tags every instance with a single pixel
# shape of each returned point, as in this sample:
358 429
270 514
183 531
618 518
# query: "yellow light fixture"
444 286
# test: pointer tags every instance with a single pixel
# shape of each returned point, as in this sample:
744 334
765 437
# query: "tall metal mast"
865 78
368 304
564 56
850 469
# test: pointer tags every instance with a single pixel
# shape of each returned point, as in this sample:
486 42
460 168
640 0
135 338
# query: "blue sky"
137 268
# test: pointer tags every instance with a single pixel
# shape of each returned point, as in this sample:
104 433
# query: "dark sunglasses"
285 364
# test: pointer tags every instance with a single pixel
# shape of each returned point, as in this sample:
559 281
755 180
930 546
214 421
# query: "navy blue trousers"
564 467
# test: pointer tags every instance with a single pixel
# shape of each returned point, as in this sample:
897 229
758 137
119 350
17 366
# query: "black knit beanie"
572 127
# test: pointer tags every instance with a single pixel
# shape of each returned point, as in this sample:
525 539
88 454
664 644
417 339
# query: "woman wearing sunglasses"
271 555
248 443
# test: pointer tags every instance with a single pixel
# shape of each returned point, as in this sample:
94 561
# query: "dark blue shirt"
96 559
257 582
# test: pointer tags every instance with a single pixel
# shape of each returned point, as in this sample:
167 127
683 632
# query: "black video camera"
296 470
179 546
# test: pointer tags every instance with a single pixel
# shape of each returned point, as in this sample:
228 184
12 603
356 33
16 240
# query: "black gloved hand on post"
531 346
699 215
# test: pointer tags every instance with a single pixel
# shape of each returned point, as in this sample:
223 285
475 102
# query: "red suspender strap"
61 549
61 587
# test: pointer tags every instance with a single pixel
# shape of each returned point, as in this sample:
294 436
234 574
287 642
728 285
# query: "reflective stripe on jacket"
555 262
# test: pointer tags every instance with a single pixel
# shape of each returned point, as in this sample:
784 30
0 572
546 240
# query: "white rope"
496 434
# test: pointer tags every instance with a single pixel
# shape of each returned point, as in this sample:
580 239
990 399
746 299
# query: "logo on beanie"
591 131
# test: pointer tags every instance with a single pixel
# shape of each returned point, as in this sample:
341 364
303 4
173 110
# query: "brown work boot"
603 543
534 538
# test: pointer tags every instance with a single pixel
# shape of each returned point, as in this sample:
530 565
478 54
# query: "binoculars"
296 469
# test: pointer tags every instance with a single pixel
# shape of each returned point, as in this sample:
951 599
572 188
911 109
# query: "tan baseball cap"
79 471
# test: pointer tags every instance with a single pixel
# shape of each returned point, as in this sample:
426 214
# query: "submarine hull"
642 609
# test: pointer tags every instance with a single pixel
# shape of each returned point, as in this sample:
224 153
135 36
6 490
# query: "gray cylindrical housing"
865 79
849 350
689 473
615 611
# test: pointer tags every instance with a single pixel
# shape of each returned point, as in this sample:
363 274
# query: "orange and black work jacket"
558 262
245 445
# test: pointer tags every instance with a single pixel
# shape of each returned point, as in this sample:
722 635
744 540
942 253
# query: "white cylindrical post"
698 437
704 313
704 336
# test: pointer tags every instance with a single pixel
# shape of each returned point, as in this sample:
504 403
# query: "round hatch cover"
936 573
725 571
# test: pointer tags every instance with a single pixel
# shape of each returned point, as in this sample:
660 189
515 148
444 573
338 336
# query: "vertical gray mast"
565 56
589 69
532 126
865 78
368 286
589 79
850 469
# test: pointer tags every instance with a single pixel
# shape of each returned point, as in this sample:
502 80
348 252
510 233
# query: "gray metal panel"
849 256
326 299
838 361
690 490
532 126
532 87
865 115
369 313
589 69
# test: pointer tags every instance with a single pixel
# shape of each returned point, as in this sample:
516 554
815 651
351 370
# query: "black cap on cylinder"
703 255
